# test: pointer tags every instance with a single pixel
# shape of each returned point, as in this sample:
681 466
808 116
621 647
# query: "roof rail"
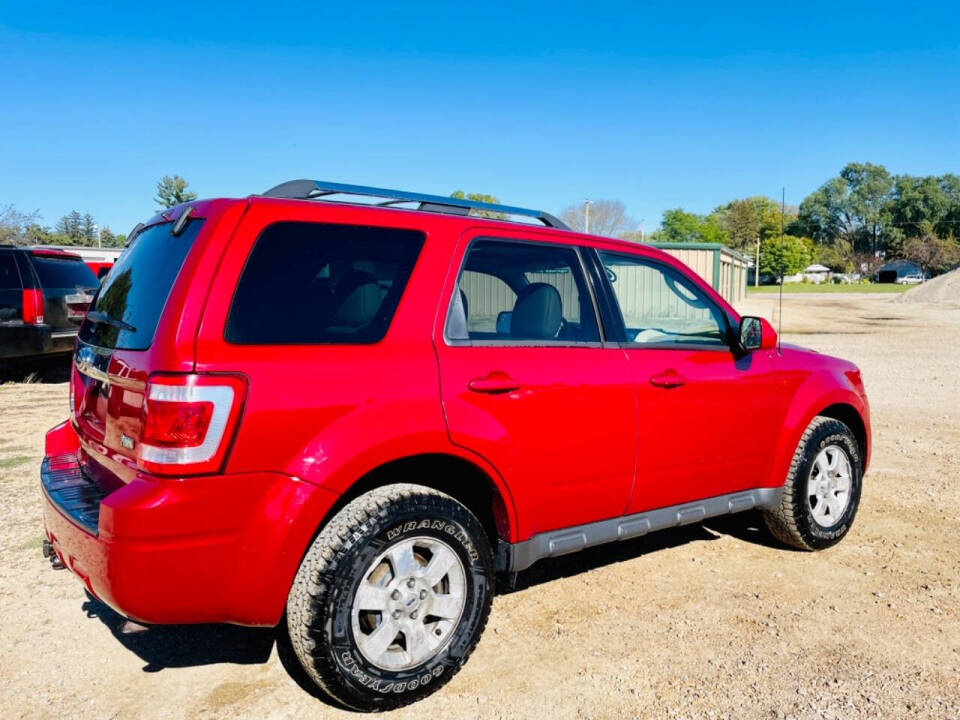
319 190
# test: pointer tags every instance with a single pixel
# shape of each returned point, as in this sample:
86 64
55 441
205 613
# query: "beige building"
723 268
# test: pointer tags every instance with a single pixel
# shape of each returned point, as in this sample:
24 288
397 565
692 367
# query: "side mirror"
756 334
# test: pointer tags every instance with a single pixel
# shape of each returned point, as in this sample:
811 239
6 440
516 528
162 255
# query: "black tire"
793 522
320 602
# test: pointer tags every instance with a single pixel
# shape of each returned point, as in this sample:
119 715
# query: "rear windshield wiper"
100 317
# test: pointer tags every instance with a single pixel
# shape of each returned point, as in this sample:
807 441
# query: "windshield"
126 310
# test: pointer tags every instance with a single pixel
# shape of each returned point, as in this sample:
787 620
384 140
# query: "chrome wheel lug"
413 615
423 594
411 582
395 595
396 614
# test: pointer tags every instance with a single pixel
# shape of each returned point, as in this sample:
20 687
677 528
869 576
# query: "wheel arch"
461 478
851 417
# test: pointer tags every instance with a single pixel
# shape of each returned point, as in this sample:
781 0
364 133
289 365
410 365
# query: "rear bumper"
23 341
221 548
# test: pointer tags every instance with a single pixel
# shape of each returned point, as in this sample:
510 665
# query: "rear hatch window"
127 309
62 272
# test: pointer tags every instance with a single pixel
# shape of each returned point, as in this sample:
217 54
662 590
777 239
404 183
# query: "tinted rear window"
57 272
137 287
9 277
308 283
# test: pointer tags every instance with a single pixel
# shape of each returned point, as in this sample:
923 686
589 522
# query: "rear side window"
312 283
58 272
521 291
131 299
9 276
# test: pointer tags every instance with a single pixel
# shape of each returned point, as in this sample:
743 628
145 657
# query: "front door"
706 410
528 384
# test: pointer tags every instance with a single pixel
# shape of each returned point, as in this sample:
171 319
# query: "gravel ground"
711 620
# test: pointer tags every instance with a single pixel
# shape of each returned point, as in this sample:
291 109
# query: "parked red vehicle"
346 418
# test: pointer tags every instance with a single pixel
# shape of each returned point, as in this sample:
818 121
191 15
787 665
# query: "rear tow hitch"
48 552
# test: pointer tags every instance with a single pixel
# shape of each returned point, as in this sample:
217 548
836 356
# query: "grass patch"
32 543
15 461
792 288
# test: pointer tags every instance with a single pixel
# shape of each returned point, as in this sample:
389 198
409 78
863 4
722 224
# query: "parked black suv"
44 295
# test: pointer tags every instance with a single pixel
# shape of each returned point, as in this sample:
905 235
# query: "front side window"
660 306
318 283
514 291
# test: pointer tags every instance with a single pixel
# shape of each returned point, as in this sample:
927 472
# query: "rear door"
707 412
528 383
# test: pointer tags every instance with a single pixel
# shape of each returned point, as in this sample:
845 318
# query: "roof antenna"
783 269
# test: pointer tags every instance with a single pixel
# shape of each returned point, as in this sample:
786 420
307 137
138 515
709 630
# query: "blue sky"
542 104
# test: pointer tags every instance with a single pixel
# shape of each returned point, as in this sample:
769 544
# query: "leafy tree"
71 226
15 225
607 218
837 257
758 216
852 207
949 224
678 225
741 221
785 256
933 254
480 197
173 191
109 240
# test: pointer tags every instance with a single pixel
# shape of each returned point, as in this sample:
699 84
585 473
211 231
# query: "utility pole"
586 215
643 233
756 267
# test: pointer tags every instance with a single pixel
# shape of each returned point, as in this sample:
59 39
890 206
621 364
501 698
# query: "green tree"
173 191
852 207
741 221
678 225
71 227
480 197
785 256
949 224
837 257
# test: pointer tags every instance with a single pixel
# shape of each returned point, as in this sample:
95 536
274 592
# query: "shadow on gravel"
44 370
746 526
177 646
180 646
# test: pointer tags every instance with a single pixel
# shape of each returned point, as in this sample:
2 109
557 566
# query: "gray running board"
515 557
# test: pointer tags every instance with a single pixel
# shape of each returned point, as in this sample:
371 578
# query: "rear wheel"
391 598
822 491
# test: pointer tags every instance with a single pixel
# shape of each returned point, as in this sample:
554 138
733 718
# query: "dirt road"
711 620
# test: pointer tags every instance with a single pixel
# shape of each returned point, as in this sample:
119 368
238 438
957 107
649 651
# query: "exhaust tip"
47 548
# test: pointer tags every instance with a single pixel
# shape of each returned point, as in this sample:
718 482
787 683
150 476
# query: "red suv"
347 409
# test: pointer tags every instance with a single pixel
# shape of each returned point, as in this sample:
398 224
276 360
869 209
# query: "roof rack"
319 190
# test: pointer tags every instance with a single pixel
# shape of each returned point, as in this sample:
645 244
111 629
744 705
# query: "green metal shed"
723 268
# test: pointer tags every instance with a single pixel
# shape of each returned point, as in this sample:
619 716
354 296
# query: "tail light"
188 422
33 306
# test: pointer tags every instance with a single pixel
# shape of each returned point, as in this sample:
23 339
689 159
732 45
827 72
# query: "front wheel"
391 597
822 491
